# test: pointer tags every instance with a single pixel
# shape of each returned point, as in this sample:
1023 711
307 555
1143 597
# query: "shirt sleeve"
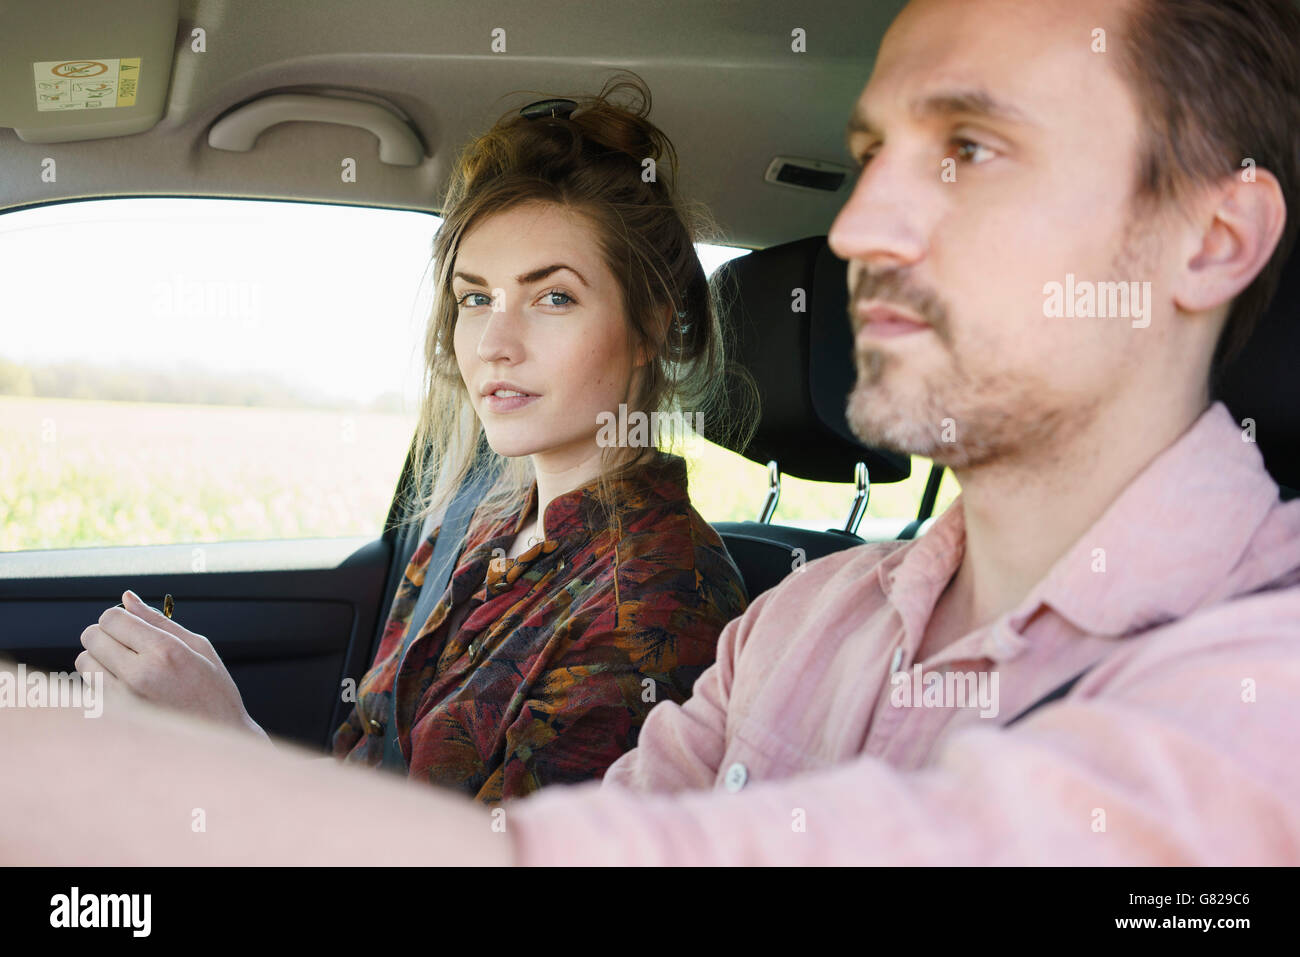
1181 754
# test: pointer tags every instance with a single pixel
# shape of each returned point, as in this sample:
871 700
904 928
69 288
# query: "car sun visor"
84 71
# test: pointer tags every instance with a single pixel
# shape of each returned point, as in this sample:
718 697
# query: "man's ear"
1244 217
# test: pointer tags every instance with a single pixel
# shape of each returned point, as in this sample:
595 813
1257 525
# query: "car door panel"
289 636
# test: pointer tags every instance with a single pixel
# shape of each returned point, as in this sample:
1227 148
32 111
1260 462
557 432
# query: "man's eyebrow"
529 277
964 102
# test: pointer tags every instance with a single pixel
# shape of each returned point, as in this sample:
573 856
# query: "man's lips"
877 321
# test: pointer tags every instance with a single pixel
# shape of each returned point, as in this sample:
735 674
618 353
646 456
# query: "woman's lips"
500 404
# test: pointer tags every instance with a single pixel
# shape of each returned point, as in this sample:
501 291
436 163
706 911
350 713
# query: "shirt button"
473 651
1005 644
374 726
736 777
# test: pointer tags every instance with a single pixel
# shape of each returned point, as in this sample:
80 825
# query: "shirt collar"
1160 549
913 577
1176 531
578 513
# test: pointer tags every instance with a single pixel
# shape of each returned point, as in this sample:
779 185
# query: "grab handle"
239 129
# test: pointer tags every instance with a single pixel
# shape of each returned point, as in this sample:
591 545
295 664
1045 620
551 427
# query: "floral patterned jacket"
560 653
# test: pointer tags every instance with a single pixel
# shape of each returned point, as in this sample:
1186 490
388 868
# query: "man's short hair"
1217 83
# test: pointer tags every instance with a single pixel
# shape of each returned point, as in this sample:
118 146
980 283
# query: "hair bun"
613 120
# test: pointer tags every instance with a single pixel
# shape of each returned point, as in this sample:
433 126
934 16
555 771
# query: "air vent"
811 174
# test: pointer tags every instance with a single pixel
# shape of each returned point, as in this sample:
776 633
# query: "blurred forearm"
140 785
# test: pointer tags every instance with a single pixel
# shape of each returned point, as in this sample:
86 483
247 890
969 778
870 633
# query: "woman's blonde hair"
592 161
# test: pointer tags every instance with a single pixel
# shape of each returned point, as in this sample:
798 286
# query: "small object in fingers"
168 605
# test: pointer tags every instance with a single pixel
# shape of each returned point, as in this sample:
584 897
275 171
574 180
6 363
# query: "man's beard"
959 420
951 416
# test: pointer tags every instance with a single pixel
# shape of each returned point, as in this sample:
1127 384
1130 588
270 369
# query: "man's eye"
464 299
968 150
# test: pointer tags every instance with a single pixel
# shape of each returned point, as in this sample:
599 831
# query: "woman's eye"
568 300
464 299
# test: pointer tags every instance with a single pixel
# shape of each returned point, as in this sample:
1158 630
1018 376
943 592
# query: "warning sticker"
86 84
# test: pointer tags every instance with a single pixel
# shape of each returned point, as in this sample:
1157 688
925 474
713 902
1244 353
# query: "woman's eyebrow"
544 271
528 277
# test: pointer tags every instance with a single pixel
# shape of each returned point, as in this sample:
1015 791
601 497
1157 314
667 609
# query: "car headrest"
1263 382
802 361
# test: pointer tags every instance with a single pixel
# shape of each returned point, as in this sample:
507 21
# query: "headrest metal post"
773 493
861 492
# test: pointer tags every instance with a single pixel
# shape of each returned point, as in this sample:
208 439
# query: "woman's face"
539 313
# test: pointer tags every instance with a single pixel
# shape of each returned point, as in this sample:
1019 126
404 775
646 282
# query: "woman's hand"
140 649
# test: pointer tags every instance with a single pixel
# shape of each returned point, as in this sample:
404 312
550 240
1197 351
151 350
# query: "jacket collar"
659 482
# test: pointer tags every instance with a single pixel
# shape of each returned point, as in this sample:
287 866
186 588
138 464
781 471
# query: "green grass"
78 474
82 474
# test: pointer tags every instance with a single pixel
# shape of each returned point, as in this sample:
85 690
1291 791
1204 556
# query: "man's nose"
884 222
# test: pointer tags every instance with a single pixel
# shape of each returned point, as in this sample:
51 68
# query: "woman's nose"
502 336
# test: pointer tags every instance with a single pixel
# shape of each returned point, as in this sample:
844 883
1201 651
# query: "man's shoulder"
1271 612
1261 626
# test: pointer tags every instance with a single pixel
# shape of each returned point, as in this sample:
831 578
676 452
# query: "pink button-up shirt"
806 743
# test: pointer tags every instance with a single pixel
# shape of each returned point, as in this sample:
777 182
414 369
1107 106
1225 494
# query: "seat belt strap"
1056 693
446 550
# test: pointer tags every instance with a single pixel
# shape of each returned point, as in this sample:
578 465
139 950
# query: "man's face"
1000 155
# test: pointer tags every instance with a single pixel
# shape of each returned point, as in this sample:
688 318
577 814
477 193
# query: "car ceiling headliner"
725 87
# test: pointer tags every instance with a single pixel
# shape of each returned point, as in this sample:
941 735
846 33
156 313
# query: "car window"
178 370
193 370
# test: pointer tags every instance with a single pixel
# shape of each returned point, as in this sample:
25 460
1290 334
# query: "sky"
332 299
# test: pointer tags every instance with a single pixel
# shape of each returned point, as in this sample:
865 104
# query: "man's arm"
1184 756
1188 755
141 785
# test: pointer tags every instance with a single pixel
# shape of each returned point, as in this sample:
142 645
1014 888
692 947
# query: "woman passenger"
587 588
